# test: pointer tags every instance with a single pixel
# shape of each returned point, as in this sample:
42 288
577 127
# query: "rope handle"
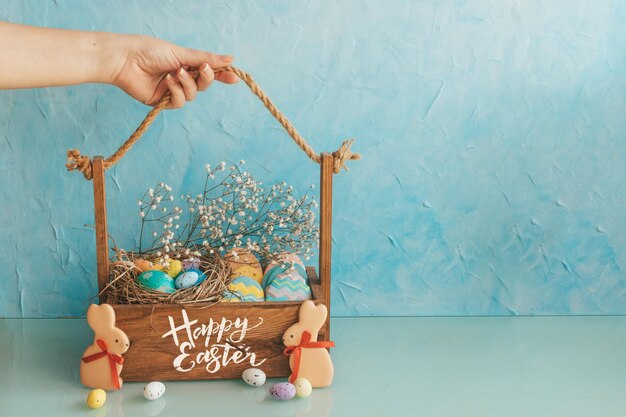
82 163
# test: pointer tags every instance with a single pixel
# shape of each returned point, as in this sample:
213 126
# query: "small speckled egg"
174 268
191 263
156 280
96 398
190 278
254 377
283 391
303 387
153 390
248 271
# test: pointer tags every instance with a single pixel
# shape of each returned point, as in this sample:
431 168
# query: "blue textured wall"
492 133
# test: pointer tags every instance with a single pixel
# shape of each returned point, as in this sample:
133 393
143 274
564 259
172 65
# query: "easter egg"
248 271
283 283
286 258
243 289
191 263
254 377
189 278
303 387
238 257
144 265
153 390
96 398
283 391
157 281
174 268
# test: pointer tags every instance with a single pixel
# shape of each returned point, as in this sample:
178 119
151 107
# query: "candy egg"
254 377
243 289
303 387
190 278
283 391
156 280
144 265
248 271
153 390
174 268
96 398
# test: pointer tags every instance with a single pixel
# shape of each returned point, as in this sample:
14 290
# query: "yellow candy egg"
174 268
96 398
303 387
249 271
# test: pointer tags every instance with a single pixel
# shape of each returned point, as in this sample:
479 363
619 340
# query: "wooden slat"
326 218
151 357
100 208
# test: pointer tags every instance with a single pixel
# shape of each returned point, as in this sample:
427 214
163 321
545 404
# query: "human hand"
147 68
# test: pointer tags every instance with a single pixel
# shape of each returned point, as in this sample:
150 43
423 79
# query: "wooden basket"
169 341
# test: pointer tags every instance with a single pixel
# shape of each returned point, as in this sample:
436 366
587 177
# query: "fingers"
226 77
177 99
189 84
195 58
206 77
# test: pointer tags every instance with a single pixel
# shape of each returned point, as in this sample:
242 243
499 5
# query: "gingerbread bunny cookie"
309 358
101 364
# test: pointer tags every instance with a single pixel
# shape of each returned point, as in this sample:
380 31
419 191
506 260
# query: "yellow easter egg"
249 271
96 398
174 268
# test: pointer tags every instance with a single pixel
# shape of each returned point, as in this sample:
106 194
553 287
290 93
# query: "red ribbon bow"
113 359
305 343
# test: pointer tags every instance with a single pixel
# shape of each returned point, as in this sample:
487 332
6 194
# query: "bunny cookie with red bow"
101 364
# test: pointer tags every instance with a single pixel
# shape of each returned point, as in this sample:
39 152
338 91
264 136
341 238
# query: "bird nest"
123 287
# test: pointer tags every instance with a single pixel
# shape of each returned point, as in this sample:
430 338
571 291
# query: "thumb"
195 58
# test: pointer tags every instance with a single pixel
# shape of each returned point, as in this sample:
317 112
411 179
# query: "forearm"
33 57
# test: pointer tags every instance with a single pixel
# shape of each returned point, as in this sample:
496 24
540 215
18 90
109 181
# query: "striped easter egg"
244 289
287 284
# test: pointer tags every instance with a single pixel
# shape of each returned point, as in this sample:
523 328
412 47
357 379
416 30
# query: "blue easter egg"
189 278
157 281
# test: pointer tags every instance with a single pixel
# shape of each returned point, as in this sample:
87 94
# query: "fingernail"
182 72
169 78
226 58
204 67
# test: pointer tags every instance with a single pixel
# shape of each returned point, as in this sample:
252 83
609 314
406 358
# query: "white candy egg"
303 387
153 390
254 377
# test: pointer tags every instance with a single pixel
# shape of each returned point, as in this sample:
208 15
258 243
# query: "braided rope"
82 163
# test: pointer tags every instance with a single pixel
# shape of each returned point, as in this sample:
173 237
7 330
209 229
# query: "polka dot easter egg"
157 281
189 278
254 377
283 391
154 390
96 398
243 289
248 271
173 268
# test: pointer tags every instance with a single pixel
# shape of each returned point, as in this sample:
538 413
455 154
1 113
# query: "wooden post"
326 219
102 232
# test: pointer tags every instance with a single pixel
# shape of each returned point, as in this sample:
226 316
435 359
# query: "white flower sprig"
232 211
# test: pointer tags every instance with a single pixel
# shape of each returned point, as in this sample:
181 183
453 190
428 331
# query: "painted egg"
283 391
243 289
96 398
286 284
156 280
238 257
154 390
254 377
303 387
285 257
144 265
189 278
174 268
191 263
248 271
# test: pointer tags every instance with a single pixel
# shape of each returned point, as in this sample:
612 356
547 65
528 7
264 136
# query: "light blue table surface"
497 366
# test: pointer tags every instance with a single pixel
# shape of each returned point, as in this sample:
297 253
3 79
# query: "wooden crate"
168 341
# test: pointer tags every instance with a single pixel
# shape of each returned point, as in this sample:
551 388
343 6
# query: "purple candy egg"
283 391
191 263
